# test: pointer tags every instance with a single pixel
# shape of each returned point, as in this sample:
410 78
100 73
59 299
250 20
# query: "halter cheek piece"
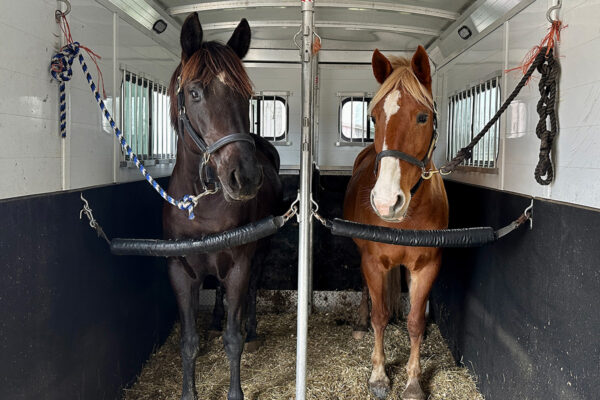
422 164
207 175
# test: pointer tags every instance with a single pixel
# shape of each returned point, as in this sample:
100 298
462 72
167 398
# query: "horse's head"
403 112
209 93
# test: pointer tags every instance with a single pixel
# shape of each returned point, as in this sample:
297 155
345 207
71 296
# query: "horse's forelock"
212 59
205 65
403 77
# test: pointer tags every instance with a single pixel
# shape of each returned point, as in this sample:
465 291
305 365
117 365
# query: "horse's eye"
195 94
422 118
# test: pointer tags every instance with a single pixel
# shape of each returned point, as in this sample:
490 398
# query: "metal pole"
304 254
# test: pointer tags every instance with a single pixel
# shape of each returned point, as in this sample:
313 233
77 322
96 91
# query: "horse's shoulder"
364 156
267 148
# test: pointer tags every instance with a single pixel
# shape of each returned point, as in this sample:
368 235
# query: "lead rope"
546 109
60 69
467 152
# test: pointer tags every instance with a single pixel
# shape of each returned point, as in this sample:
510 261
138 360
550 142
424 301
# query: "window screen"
468 112
269 116
145 115
355 125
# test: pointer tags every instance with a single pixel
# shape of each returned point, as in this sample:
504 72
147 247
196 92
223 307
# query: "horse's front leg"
420 285
186 293
216 323
252 339
374 274
236 287
361 327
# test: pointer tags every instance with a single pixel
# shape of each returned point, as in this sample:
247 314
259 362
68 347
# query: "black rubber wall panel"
336 261
523 313
76 322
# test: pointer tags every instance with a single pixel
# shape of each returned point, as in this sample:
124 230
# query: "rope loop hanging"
467 152
61 70
546 109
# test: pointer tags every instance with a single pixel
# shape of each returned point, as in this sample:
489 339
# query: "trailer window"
468 112
355 125
269 115
145 117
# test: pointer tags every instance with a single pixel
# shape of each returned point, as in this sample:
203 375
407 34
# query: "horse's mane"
402 76
212 59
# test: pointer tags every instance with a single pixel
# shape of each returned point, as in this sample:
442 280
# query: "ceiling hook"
58 14
554 8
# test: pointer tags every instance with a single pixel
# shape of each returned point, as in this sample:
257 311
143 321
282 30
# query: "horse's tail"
393 293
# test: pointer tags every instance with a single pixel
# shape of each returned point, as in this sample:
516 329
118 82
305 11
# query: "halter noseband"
205 149
422 164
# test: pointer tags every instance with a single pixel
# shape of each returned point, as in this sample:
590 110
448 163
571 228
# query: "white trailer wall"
283 77
334 78
577 147
31 158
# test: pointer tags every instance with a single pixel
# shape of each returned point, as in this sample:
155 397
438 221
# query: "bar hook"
58 14
553 8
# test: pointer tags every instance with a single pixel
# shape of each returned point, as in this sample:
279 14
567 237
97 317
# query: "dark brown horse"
386 189
210 93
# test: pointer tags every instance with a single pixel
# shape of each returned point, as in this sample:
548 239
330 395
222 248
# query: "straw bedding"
338 365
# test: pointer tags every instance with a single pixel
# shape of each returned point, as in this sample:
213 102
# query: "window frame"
358 97
464 102
255 119
155 125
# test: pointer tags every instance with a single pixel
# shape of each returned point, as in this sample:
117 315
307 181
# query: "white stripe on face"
387 192
391 106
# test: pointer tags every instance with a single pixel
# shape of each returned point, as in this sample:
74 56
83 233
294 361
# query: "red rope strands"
549 42
66 30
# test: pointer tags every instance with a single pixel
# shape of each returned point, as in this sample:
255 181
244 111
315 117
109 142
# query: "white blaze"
387 187
391 106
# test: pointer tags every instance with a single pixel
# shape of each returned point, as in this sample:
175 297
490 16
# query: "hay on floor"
338 365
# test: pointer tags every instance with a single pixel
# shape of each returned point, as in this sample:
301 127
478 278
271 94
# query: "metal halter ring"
429 174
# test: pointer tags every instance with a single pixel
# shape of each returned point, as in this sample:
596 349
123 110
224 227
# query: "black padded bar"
466 237
209 243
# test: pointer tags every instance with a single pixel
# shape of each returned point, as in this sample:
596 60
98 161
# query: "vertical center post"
305 213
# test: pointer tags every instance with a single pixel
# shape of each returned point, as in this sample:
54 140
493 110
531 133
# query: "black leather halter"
207 175
422 164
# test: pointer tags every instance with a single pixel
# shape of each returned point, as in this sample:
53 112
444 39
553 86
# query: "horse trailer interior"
513 316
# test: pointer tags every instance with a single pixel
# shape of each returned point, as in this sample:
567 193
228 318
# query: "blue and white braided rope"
62 72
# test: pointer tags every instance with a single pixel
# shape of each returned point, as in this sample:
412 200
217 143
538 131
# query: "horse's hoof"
189 396
235 396
358 334
380 389
253 345
212 334
413 391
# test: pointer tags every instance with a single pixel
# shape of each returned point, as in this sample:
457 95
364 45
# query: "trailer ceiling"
389 25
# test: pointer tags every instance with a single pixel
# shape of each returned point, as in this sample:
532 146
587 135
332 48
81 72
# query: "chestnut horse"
386 189
210 94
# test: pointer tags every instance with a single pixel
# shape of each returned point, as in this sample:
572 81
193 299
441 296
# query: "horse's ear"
191 36
420 66
382 68
240 40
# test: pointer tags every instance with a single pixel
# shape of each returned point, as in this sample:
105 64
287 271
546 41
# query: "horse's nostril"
399 203
234 181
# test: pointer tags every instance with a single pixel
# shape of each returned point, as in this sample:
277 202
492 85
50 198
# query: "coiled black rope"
546 109
549 68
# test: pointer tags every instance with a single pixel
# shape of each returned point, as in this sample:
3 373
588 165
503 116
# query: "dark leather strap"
398 154
410 159
233 137
187 126
207 176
